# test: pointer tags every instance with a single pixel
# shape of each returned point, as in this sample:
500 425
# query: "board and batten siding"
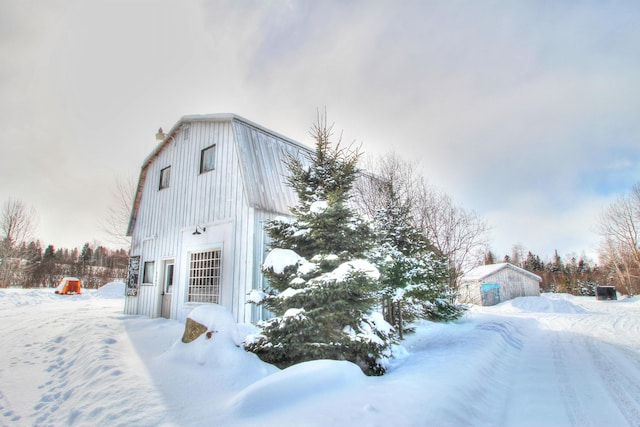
246 188
513 282
192 199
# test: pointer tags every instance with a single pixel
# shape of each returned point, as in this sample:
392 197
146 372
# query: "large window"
149 268
208 159
204 277
165 177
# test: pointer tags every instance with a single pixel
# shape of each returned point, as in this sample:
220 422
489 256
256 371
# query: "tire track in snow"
625 391
540 389
574 407
593 374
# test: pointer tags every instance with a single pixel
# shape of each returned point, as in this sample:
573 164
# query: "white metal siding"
192 199
164 219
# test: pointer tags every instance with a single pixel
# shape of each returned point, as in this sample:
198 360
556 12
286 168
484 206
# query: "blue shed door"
490 294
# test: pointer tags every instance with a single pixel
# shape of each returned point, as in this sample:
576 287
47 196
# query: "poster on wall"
133 272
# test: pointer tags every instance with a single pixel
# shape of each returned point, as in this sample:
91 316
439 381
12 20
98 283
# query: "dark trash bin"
604 293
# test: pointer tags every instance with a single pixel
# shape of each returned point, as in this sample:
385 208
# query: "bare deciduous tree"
116 219
619 226
461 235
370 189
17 225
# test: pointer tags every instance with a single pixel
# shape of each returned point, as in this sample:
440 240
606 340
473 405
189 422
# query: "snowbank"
112 290
218 321
12 297
546 303
79 361
295 384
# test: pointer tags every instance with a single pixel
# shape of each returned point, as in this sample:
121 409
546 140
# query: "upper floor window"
165 177
208 159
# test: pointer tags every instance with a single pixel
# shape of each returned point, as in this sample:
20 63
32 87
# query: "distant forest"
36 267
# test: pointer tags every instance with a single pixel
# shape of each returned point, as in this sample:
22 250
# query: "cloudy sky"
527 112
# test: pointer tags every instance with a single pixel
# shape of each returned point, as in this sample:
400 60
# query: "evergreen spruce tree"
489 258
321 289
413 276
532 263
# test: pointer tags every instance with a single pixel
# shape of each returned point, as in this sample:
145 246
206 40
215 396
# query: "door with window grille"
204 276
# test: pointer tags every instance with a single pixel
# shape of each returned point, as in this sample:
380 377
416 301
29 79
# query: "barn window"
204 277
149 268
165 177
208 159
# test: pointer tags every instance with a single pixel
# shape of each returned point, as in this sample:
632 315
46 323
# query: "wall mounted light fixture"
199 230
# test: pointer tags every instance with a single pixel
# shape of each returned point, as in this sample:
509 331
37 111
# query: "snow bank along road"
553 360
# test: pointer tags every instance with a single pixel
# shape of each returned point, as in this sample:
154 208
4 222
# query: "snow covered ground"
554 360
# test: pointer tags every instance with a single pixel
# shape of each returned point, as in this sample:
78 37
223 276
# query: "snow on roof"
484 271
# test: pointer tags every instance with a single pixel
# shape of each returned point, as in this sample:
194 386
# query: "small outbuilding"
495 283
69 285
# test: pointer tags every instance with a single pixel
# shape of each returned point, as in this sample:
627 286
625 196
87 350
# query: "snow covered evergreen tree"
321 288
413 276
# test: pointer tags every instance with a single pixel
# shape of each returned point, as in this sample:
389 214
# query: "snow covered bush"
321 288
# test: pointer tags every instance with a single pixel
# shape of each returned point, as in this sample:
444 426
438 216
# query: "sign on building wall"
133 272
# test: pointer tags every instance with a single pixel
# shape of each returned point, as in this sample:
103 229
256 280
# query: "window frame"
149 268
165 178
211 148
204 282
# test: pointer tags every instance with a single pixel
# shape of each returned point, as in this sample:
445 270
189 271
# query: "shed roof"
484 271
262 155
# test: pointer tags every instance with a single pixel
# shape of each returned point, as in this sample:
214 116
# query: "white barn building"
196 225
495 283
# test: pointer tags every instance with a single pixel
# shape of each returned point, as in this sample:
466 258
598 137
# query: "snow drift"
549 360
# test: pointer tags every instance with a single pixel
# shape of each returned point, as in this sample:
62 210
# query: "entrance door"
167 290
490 294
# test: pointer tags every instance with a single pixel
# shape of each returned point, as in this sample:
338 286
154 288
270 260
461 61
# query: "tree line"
30 266
24 262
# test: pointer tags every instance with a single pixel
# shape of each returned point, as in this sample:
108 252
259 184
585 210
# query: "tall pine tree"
321 289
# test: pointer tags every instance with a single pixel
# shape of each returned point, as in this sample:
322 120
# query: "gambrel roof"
482 272
262 157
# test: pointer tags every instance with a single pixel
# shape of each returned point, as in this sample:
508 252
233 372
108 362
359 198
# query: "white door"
167 289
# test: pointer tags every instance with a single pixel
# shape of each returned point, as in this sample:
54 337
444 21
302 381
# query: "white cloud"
500 104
